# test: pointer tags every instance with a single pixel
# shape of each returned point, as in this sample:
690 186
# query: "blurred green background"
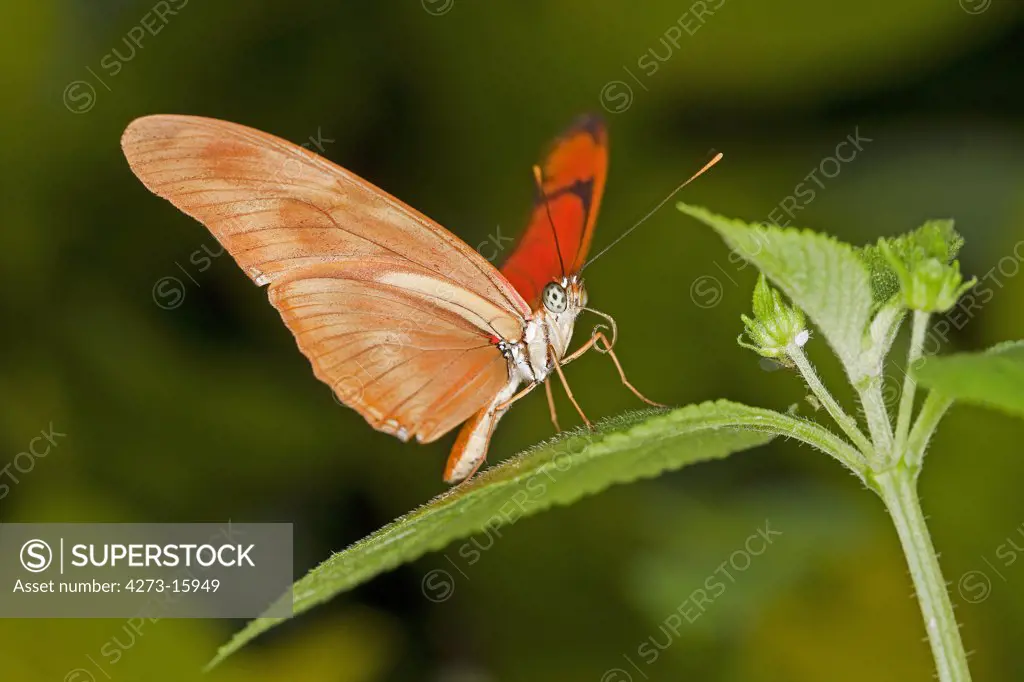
200 408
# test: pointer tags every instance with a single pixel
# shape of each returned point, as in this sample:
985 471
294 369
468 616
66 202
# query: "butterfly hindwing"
395 342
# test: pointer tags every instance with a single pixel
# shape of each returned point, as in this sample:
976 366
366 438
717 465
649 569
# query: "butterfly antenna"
707 167
539 178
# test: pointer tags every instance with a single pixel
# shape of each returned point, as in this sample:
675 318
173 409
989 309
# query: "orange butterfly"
407 324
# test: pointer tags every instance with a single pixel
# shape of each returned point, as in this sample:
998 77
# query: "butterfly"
407 324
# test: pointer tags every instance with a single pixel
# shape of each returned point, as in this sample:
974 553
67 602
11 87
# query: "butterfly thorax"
548 331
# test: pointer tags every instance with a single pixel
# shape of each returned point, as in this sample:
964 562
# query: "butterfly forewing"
276 206
573 174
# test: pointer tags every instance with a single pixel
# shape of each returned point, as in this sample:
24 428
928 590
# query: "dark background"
198 407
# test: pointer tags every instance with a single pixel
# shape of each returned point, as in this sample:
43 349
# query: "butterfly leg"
508 403
572 399
599 336
551 405
581 350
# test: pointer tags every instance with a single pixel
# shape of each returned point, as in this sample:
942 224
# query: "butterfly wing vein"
395 313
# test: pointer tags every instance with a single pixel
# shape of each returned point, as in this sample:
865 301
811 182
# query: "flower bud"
775 325
928 284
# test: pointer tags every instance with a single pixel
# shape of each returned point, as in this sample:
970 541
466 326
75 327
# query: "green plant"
858 299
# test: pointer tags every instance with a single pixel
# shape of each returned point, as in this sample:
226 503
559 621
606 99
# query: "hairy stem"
932 411
878 418
897 488
810 433
920 328
847 423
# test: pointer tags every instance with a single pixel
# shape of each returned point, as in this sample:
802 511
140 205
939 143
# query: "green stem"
847 423
878 419
898 490
920 328
932 411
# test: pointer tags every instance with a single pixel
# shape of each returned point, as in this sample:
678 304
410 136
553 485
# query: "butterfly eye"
554 298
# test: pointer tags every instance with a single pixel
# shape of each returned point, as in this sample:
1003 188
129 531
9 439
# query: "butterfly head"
561 301
565 295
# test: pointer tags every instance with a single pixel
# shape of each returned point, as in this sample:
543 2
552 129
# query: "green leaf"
821 276
935 239
634 446
994 378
